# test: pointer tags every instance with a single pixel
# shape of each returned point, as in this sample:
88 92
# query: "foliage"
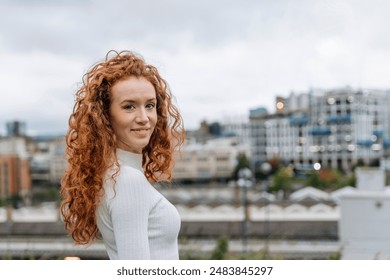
324 178
282 180
335 256
49 194
275 163
242 162
15 200
262 254
349 180
328 175
221 249
191 254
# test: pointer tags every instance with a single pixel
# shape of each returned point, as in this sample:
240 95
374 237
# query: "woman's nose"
142 116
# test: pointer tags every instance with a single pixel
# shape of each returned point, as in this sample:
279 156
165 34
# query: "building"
16 128
364 225
58 161
15 176
209 161
236 126
47 159
337 128
258 136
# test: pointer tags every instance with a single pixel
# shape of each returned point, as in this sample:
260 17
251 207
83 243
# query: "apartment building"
15 176
336 128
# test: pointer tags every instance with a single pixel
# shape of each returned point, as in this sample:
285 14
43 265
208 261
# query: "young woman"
122 134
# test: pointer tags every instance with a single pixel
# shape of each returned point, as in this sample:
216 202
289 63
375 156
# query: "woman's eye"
128 107
150 106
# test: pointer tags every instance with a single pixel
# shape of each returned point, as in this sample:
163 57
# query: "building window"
203 173
222 158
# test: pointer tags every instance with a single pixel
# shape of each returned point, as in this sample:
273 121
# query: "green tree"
324 179
282 180
314 180
348 180
15 200
242 162
221 249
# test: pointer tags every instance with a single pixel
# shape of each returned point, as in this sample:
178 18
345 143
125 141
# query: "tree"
275 162
282 180
242 162
324 179
221 249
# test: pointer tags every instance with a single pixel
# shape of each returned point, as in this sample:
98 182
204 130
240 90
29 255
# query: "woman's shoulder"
133 175
129 180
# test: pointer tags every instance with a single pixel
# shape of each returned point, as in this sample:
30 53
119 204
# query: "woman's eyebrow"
134 101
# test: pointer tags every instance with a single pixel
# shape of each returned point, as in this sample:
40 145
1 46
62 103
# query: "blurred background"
286 106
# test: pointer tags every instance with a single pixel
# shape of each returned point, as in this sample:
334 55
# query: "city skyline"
220 58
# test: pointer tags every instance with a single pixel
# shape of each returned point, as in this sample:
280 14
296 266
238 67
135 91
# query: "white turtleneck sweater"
135 220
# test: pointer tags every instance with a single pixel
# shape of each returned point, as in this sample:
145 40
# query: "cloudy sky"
220 57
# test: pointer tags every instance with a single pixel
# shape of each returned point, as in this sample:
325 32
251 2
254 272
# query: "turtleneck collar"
129 159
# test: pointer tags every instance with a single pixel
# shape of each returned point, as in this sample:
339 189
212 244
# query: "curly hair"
91 142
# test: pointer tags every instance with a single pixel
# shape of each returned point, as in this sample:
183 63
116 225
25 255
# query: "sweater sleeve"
129 213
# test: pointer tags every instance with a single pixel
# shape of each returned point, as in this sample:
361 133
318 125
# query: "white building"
336 128
213 160
239 127
14 146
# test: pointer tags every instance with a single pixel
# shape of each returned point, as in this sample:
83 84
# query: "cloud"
220 58
38 88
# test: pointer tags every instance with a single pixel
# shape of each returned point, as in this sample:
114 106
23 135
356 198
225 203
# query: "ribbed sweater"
135 220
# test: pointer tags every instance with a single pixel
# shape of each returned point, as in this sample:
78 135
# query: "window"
221 158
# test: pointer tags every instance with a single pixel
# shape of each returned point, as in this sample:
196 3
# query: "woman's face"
133 113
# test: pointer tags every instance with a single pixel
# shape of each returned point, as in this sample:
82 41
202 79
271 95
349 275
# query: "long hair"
91 141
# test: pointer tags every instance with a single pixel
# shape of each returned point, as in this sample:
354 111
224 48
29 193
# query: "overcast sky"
220 57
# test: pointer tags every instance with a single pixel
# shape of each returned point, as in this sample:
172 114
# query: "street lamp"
266 169
245 181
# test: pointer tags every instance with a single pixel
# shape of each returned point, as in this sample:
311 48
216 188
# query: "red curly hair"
91 141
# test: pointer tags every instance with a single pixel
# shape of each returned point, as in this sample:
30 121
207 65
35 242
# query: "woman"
122 135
